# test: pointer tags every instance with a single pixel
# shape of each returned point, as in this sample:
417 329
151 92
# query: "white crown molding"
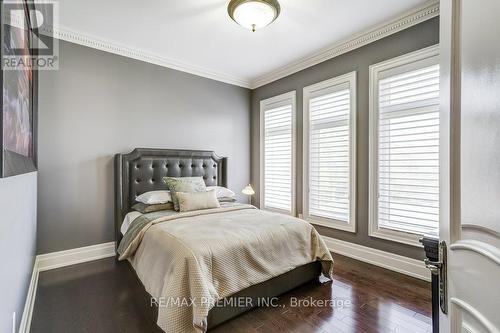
409 19
97 43
394 262
45 262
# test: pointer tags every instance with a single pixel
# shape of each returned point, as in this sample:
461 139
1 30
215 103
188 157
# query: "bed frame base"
256 294
267 289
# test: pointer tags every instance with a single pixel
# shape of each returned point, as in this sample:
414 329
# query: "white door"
470 163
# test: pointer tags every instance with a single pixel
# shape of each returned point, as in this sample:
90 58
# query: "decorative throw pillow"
144 208
197 200
184 184
154 197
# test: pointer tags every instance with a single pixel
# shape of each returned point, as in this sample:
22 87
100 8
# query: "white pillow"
197 200
222 192
154 197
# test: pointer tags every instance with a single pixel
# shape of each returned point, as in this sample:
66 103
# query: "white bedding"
127 221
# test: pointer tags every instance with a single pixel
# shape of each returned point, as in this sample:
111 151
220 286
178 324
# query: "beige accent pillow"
184 184
197 200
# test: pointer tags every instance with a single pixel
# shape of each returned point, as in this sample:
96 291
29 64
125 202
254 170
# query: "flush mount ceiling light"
254 14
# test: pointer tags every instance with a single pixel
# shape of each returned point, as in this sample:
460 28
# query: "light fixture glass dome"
253 14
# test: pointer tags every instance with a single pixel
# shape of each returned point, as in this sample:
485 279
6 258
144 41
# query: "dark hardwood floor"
103 296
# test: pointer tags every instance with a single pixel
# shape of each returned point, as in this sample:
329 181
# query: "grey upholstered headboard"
143 170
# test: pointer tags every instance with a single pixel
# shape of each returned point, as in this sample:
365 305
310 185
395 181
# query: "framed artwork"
18 124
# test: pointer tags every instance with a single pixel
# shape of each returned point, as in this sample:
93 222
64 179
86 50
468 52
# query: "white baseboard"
45 262
75 256
24 327
394 262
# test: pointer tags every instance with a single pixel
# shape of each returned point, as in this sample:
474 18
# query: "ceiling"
200 35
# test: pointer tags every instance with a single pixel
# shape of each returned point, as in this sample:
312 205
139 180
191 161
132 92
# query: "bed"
213 258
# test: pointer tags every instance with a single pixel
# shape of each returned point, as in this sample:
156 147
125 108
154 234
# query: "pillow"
144 208
226 199
197 200
184 184
154 197
222 191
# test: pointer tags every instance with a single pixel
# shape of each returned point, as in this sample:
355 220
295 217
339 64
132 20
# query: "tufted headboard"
143 170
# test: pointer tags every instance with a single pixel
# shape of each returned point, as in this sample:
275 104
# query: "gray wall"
414 38
17 244
98 104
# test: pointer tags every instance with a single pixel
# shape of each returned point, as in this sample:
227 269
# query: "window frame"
266 104
411 61
350 79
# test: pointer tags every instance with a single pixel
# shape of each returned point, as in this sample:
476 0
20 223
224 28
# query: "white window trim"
349 78
430 53
283 98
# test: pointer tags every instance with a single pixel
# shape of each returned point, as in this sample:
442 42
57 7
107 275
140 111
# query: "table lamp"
248 190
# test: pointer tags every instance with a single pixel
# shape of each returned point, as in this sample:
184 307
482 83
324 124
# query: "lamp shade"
248 190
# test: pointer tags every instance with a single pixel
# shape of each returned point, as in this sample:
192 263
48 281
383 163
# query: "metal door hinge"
439 268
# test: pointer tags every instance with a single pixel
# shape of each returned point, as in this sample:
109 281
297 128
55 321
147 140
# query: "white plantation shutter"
278 155
408 150
329 128
329 156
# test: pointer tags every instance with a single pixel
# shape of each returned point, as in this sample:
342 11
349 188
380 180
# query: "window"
404 150
277 136
329 152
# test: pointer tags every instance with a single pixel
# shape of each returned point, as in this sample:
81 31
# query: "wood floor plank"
104 296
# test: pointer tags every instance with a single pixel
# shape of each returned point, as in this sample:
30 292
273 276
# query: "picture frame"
19 120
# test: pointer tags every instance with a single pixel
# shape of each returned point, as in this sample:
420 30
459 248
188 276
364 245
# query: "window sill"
276 210
397 236
332 224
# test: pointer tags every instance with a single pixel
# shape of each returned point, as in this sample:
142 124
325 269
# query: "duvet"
188 261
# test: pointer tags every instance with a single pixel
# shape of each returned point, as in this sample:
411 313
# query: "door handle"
438 268
433 266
